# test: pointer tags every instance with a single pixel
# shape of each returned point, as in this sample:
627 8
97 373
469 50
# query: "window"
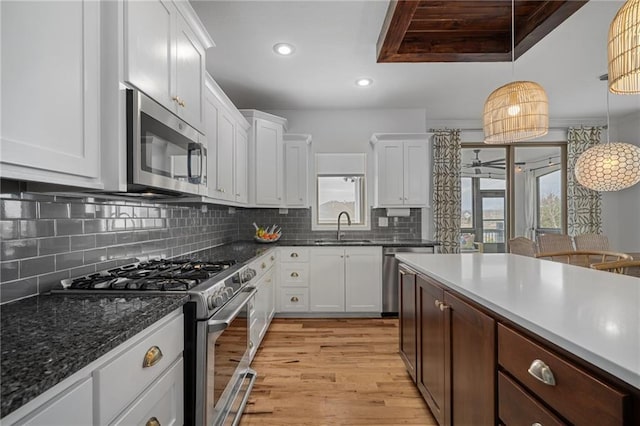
466 211
341 193
549 188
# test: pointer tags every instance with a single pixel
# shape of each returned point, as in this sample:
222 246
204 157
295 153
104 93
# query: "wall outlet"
383 222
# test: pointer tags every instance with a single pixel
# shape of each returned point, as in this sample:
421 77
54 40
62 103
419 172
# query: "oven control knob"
229 292
215 301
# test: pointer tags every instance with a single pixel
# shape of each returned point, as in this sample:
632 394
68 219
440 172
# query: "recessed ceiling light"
364 82
284 49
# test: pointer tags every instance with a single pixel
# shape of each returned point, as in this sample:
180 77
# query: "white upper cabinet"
50 84
266 159
165 55
227 142
240 163
402 170
296 166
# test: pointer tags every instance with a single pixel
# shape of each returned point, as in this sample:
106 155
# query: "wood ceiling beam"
394 28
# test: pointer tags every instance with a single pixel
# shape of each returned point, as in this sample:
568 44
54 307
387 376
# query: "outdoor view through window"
340 193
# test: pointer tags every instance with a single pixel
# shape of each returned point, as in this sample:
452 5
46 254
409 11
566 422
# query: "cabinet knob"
294 254
152 357
153 421
294 275
542 372
300 199
273 258
279 198
294 299
443 307
250 344
269 280
175 99
437 303
182 103
405 198
536 424
400 198
237 195
264 265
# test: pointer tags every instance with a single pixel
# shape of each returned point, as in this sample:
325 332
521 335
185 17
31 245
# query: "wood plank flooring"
333 372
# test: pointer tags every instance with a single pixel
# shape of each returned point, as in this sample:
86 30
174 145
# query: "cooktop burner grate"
152 275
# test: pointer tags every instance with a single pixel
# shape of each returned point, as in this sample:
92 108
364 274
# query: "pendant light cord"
513 36
608 126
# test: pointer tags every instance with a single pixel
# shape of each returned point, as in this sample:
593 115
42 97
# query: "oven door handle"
223 318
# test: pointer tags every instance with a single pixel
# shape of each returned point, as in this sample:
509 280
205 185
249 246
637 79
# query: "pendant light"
516 111
609 167
623 49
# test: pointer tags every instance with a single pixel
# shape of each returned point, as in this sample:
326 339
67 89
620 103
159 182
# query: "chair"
627 267
591 242
584 257
523 246
548 243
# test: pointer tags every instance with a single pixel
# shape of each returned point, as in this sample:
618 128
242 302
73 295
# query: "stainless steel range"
217 379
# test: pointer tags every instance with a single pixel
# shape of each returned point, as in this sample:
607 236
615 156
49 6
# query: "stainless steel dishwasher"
390 277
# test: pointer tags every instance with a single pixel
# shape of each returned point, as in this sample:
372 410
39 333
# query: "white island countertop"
592 314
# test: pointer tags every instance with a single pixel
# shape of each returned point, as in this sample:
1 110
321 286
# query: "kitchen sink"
342 242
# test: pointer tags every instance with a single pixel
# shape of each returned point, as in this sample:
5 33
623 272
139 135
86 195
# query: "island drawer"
577 395
517 407
294 254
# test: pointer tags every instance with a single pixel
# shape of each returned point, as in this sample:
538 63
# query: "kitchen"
62 216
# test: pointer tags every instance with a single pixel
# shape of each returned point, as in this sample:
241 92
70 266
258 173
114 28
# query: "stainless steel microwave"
165 155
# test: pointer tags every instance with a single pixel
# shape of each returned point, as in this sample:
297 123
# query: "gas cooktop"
152 275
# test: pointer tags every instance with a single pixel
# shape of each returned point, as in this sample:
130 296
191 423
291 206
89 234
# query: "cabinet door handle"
182 103
437 303
294 254
294 275
176 99
264 265
152 357
443 307
294 299
153 421
542 372
536 424
273 258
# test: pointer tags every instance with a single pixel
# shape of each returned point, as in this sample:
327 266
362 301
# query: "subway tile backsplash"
46 238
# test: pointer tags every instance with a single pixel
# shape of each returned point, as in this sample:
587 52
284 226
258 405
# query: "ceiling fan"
476 163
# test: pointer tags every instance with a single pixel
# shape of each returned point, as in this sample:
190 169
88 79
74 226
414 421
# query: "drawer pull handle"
443 307
294 254
542 372
536 424
152 357
294 275
294 299
153 421
437 303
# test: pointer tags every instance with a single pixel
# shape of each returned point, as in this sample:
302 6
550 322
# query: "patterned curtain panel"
584 206
446 189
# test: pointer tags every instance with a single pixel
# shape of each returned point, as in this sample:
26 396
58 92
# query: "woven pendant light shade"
609 167
515 112
624 49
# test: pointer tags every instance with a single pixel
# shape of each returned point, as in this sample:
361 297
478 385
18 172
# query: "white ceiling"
336 43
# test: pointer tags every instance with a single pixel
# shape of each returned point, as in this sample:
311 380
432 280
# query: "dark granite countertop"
358 242
47 338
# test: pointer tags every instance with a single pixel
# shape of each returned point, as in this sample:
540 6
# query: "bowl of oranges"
267 235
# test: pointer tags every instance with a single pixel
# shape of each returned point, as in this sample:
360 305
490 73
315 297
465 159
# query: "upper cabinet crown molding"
250 114
197 26
380 137
297 137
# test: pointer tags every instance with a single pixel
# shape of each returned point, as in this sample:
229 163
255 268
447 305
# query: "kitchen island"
582 318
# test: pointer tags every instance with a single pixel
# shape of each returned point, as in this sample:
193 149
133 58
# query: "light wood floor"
333 372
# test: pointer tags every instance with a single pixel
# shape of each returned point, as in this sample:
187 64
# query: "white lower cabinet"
262 308
162 401
137 381
345 279
293 283
72 407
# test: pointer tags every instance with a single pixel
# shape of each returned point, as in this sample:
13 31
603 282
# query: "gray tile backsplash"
48 238
296 225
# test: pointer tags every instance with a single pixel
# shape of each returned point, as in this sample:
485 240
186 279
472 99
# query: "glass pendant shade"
609 167
624 49
515 112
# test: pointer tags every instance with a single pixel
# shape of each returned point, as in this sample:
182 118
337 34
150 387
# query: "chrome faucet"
348 221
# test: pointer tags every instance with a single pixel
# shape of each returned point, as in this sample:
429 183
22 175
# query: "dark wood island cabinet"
475 367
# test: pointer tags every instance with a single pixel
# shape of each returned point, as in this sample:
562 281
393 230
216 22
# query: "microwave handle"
194 147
